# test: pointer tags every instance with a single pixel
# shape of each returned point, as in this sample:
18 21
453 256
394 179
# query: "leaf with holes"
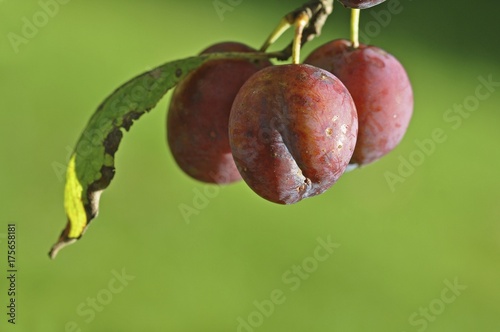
91 165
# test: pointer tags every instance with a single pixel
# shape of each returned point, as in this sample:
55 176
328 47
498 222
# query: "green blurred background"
401 245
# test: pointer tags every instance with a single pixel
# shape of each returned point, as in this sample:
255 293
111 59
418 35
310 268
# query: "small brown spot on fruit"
329 131
303 186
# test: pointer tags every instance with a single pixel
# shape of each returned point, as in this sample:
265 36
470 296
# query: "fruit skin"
360 4
381 91
198 115
292 130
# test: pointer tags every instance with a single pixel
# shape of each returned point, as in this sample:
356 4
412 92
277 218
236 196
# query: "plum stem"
316 11
300 24
355 27
277 32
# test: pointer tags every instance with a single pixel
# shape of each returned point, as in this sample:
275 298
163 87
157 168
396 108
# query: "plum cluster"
289 131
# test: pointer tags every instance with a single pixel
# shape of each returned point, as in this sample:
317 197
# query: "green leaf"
91 165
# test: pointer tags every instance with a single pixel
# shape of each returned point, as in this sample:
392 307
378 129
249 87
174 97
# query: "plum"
198 115
360 4
381 91
292 131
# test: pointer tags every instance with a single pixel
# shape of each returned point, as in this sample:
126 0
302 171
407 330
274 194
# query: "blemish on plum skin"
373 60
302 187
329 131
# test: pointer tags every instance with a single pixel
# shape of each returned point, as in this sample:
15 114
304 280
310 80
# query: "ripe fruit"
360 4
292 130
198 115
381 91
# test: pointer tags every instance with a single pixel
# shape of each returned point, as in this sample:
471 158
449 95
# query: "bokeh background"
402 244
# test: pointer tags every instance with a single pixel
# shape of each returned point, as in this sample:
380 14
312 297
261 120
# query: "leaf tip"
64 240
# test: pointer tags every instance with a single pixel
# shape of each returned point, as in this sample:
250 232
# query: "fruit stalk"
355 27
300 24
277 32
317 12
